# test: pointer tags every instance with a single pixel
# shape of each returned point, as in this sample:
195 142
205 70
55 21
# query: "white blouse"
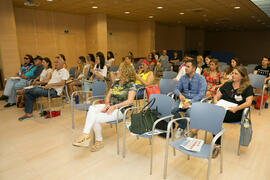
44 74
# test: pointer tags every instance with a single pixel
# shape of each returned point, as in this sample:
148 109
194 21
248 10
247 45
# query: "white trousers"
95 117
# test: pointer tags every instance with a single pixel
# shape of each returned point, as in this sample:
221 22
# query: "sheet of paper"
182 103
16 77
226 104
192 144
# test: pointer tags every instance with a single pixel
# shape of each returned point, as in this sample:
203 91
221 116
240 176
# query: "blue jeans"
175 111
140 93
32 94
12 86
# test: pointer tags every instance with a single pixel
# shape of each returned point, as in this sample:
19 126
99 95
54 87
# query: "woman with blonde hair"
238 91
213 78
122 93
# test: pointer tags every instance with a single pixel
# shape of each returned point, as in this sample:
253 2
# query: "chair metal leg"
72 115
50 107
124 141
261 106
117 137
172 136
166 159
151 158
238 149
221 155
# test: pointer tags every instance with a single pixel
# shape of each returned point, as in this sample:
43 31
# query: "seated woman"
228 71
122 93
27 66
99 72
213 78
110 59
205 66
238 91
46 73
144 78
81 73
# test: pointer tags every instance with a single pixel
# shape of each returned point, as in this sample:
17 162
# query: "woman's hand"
105 109
233 109
111 109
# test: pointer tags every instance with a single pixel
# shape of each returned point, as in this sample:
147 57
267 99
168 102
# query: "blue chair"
114 68
98 93
72 71
205 116
163 103
167 85
257 81
169 74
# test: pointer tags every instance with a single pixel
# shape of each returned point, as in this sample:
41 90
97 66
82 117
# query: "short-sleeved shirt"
100 71
44 73
58 76
262 71
120 92
230 94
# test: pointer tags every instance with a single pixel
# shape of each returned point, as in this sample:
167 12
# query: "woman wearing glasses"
28 65
238 91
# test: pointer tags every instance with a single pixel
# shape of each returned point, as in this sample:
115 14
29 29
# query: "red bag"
152 90
54 114
258 103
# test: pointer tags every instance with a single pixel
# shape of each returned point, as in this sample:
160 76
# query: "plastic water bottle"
266 104
77 99
246 123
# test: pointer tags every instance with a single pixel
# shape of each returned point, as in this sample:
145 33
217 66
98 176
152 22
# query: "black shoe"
9 105
3 97
24 117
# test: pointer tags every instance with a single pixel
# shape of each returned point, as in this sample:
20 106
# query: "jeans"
12 86
32 94
175 111
140 93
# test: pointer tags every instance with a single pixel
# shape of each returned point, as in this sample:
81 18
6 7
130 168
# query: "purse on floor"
143 121
246 132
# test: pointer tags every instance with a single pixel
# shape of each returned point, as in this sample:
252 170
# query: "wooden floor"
41 149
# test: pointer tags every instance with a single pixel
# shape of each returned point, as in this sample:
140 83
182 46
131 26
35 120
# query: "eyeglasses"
26 58
189 86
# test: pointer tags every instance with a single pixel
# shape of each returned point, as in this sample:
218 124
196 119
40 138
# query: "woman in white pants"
122 93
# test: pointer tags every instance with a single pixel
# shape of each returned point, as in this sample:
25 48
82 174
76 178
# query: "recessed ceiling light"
236 7
150 17
159 7
181 13
94 7
50 0
127 12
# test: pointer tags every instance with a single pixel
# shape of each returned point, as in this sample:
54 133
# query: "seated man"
25 80
190 88
263 69
55 86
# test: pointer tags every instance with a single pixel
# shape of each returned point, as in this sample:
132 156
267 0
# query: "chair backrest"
250 69
167 85
98 88
114 68
223 67
257 81
163 104
72 71
208 117
169 74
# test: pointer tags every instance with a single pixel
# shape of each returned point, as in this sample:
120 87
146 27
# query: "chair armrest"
126 111
160 119
76 92
206 99
172 121
216 137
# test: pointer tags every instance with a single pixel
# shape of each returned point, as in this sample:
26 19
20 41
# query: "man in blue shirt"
25 80
190 88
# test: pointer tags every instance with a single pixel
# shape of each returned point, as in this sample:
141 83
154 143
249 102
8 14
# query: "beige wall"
123 38
169 37
9 53
195 39
42 33
248 46
146 35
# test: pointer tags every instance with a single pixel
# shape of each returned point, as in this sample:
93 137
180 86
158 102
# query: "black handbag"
143 121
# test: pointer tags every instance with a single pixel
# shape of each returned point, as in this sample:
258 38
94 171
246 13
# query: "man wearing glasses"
190 88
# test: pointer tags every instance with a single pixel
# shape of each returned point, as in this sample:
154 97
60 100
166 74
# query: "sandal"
82 141
97 146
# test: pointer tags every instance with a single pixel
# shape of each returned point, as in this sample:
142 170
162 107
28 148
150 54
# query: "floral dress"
212 81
